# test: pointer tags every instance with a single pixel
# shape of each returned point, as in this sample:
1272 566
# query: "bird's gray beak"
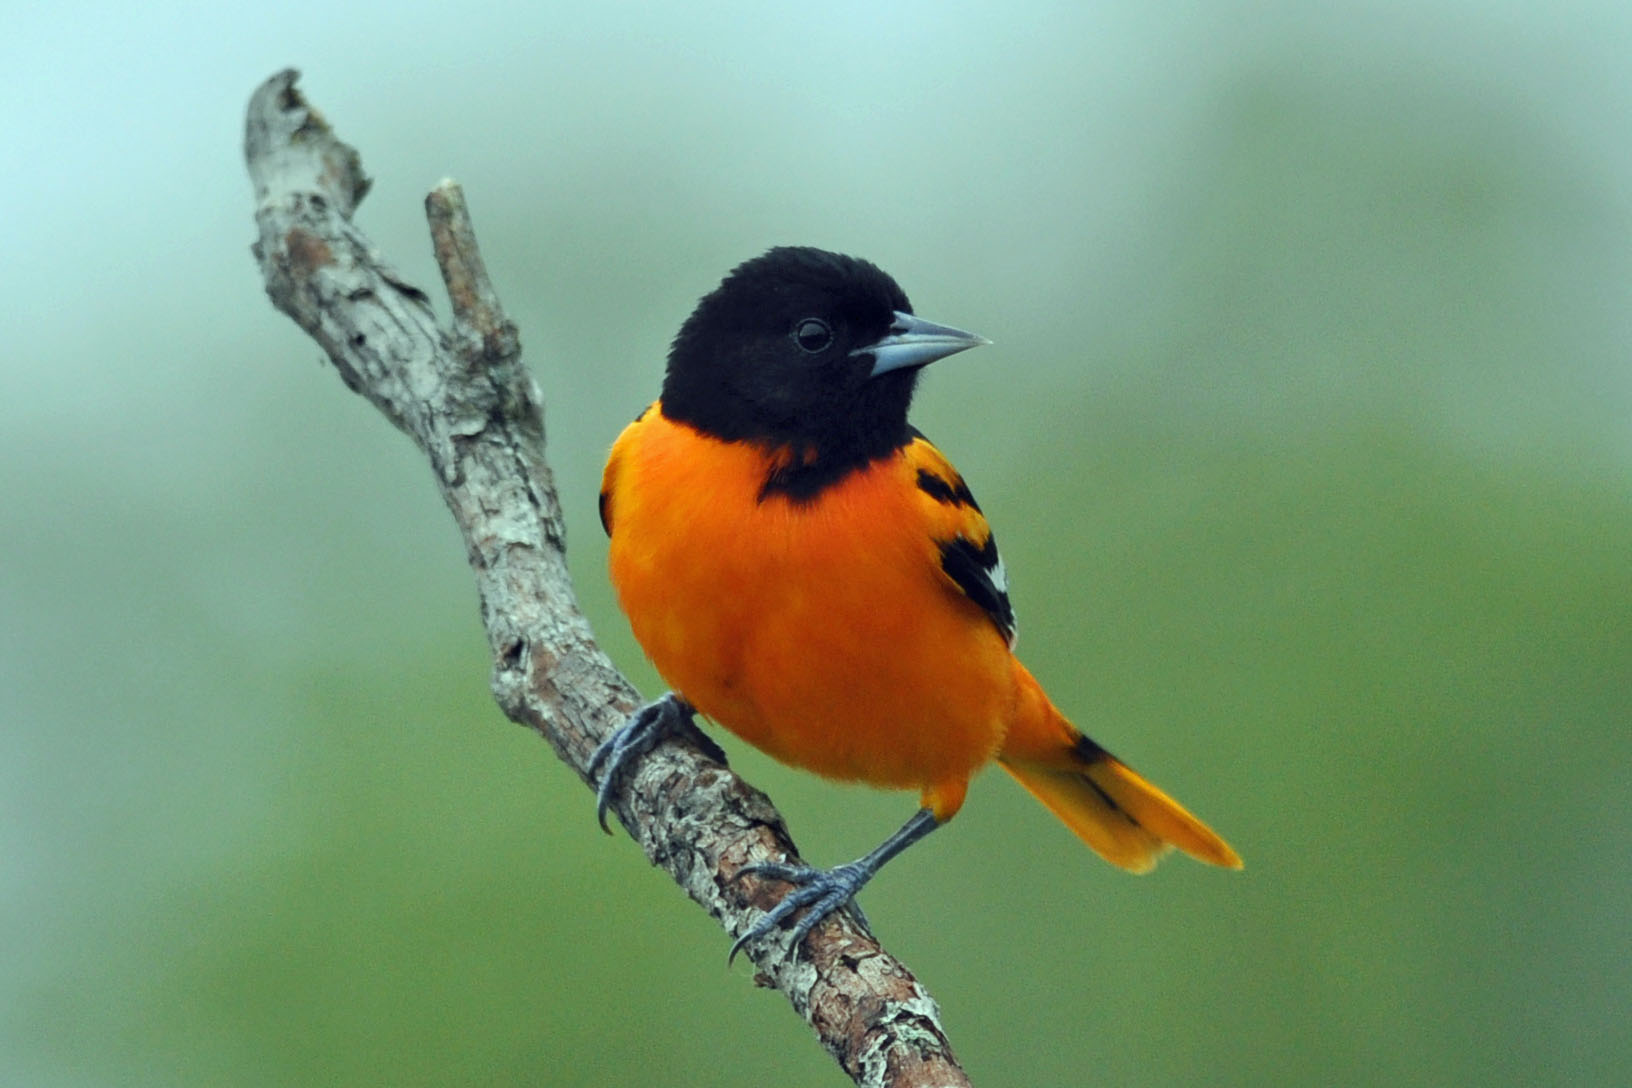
912 341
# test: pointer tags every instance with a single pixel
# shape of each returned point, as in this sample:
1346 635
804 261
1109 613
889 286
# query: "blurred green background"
1307 434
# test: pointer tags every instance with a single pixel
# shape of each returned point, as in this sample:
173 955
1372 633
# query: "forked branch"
461 393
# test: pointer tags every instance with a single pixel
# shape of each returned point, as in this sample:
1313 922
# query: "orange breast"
823 633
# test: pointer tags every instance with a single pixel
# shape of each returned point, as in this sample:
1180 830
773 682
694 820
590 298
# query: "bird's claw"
648 725
820 891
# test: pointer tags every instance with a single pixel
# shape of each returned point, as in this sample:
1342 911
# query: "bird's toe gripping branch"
647 726
823 891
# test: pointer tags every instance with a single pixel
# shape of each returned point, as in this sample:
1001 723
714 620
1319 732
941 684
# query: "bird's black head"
808 350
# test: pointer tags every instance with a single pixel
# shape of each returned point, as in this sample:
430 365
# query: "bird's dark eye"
812 335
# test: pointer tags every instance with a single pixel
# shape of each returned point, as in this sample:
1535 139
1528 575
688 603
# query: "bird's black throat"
808 453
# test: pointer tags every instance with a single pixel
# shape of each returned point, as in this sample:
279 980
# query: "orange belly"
823 633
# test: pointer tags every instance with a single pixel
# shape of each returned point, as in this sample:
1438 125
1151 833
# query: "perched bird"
807 570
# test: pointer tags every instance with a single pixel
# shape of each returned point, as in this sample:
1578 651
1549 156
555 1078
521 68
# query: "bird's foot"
646 727
819 891
824 891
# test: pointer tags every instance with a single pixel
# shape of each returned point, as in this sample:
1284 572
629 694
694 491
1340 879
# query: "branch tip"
478 315
290 148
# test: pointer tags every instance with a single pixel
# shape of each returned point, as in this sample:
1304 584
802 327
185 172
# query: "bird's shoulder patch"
609 475
967 549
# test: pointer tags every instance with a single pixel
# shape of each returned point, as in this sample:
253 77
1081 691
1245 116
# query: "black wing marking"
968 549
979 572
953 492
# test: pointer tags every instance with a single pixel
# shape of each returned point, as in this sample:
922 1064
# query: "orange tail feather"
1125 819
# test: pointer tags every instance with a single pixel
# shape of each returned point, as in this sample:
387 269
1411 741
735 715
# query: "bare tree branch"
465 399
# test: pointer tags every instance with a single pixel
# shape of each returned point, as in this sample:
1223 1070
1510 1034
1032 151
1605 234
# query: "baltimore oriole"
807 570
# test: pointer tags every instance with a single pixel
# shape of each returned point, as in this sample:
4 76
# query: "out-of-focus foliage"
1306 435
